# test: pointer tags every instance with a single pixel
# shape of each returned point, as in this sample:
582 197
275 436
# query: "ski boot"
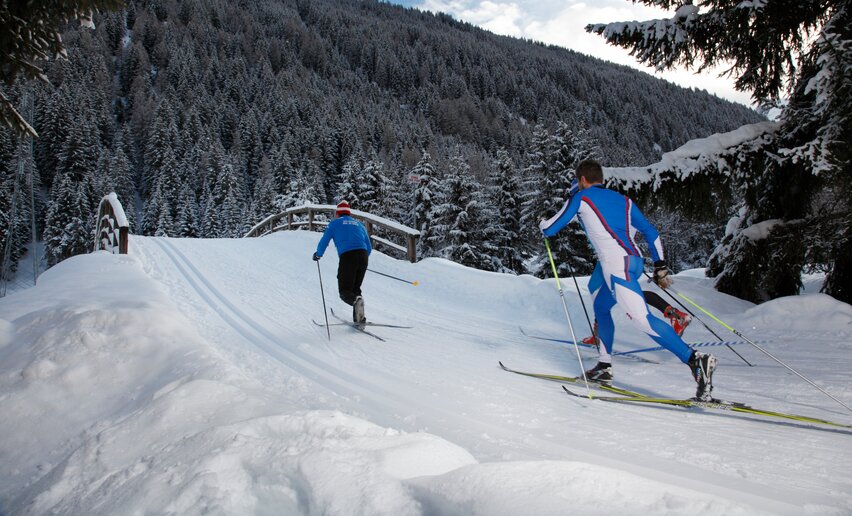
679 320
601 373
358 312
592 340
702 365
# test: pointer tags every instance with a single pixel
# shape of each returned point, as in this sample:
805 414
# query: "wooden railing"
305 216
112 230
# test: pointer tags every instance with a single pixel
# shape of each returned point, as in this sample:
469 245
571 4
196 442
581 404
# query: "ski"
714 405
571 342
368 323
357 327
573 379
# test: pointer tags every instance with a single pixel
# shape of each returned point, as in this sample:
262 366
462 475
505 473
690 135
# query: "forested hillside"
207 116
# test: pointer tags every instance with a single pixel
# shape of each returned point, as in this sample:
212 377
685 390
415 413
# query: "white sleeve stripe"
552 220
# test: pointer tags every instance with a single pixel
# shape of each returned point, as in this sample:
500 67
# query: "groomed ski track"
256 298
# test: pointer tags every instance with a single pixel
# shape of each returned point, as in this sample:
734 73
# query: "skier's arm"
367 241
648 231
552 225
326 238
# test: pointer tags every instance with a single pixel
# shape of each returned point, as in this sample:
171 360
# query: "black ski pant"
654 299
350 274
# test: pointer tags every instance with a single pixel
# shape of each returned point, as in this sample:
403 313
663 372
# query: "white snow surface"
188 378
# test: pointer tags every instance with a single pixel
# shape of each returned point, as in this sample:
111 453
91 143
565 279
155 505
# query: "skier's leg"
602 305
655 300
362 262
346 272
628 294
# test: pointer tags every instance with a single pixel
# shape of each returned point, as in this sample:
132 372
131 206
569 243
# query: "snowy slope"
187 377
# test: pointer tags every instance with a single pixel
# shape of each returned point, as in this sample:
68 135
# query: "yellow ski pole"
567 316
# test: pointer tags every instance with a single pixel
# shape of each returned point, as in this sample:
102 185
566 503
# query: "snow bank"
315 462
561 488
799 313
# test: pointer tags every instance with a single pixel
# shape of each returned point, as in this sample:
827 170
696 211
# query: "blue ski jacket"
610 221
348 235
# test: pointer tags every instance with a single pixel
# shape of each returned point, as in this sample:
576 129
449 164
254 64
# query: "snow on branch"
699 156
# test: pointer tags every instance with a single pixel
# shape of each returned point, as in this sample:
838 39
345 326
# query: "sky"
562 22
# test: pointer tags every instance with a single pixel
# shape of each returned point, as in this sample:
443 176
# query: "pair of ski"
360 327
625 396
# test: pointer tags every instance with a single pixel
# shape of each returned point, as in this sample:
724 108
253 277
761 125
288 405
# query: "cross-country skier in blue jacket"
611 221
353 248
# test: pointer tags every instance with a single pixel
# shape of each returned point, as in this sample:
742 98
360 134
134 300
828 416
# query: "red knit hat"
343 209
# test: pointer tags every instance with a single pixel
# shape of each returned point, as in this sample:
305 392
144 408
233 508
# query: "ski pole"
585 311
415 283
676 300
324 309
567 316
735 332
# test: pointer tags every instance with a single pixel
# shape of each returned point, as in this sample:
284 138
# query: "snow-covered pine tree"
571 246
121 182
162 141
229 200
33 35
13 231
789 179
506 200
544 195
533 179
350 187
188 223
373 189
464 222
263 199
69 224
398 193
424 204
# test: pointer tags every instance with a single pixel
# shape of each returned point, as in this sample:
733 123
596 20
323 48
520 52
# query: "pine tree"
188 223
33 35
69 222
571 246
350 187
463 223
373 187
787 179
422 209
506 198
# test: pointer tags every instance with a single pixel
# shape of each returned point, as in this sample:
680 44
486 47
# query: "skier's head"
343 209
589 172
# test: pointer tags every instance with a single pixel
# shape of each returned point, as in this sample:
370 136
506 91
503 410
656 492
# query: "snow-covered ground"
187 377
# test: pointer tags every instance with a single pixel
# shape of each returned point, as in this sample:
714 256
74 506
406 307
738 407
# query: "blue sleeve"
552 226
326 238
367 242
648 231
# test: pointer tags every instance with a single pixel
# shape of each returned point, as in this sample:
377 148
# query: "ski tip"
501 364
415 283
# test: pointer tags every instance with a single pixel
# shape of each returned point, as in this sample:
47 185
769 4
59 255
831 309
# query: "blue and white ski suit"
611 221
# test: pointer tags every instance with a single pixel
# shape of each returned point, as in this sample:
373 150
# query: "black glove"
316 257
661 274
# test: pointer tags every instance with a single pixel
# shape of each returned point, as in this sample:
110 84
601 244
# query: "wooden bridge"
306 217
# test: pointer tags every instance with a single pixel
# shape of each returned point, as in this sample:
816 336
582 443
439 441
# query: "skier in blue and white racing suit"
611 220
